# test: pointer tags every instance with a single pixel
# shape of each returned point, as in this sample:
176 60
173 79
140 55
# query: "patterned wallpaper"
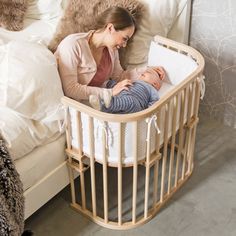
213 33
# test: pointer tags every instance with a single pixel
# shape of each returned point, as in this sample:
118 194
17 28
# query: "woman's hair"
118 16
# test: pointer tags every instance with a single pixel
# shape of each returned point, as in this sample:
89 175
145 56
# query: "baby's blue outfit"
140 96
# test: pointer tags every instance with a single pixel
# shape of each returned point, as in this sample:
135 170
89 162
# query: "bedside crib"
158 141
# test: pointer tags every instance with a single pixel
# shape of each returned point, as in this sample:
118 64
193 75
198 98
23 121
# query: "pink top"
103 70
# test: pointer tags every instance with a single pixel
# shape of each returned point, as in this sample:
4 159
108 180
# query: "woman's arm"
69 58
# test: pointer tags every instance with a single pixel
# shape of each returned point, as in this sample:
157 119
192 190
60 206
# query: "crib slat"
80 143
158 136
135 170
120 174
68 142
147 176
189 96
72 183
92 165
156 165
190 126
167 111
173 134
68 129
181 125
195 112
105 189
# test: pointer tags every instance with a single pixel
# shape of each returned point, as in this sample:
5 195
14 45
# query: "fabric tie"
102 125
202 87
149 122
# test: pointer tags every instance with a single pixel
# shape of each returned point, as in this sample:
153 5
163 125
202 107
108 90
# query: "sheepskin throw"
11 196
80 16
12 14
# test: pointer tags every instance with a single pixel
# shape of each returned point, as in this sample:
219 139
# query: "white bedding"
36 145
23 135
29 113
34 30
31 90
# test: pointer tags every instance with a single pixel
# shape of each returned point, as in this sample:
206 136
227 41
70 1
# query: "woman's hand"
123 85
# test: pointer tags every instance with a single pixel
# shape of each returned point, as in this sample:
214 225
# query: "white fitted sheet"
40 162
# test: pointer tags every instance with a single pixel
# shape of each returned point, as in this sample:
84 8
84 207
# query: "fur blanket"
11 196
12 14
81 15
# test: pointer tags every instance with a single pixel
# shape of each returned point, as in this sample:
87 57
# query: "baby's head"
151 76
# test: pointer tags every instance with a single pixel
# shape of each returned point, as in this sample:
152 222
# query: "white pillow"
30 83
159 19
177 65
44 9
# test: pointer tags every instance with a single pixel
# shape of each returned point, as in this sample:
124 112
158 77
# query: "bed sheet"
36 165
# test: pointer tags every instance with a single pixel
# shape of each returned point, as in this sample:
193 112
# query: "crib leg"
71 177
190 150
75 163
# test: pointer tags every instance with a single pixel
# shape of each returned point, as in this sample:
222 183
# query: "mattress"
112 136
41 161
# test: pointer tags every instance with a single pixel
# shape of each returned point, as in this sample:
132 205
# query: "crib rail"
164 169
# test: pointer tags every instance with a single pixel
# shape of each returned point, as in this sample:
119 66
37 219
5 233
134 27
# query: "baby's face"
152 78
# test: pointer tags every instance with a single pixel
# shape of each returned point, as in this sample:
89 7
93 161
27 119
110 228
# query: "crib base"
130 225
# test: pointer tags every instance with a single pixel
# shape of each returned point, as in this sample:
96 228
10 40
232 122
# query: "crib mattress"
42 160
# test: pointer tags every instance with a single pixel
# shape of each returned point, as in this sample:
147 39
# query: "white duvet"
30 93
23 135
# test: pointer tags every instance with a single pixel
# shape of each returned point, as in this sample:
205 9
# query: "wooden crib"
170 123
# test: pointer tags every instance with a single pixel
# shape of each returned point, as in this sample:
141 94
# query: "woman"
86 61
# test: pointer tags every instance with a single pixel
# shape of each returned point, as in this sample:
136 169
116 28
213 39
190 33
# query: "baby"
140 95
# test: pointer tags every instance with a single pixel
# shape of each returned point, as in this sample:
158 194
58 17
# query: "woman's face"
119 38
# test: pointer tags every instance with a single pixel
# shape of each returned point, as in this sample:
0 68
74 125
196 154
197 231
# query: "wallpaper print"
213 33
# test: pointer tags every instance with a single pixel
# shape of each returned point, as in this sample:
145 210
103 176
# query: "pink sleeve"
68 57
120 74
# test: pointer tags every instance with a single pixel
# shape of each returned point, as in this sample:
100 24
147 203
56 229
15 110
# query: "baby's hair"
118 16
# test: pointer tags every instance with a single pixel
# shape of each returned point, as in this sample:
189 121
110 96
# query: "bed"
42 163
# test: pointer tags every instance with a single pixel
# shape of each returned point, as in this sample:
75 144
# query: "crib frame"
176 164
